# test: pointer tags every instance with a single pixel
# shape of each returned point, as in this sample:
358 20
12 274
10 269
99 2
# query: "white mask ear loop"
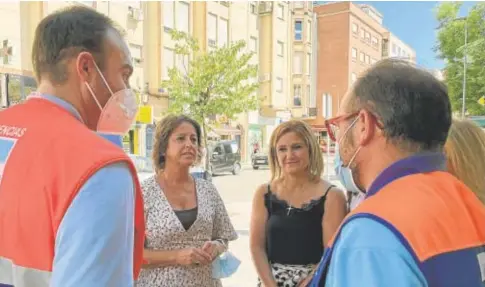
102 77
93 95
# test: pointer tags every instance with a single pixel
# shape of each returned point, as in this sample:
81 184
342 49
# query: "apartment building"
279 33
16 75
351 38
393 47
285 62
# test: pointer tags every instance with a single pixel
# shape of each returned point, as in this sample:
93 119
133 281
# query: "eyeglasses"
333 127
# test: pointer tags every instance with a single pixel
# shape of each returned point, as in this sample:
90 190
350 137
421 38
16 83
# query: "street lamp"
464 69
464 64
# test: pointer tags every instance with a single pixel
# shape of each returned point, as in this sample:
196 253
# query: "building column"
31 14
199 24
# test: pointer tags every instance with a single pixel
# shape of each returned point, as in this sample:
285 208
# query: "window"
298 63
309 31
362 57
224 3
168 14
353 78
355 29
362 33
279 85
183 64
354 54
183 16
280 12
136 53
298 30
223 34
308 63
375 42
367 59
280 49
212 30
308 94
253 44
326 106
227 149
218 150
253 9
297 95
367 37
168 61
394 49
299 4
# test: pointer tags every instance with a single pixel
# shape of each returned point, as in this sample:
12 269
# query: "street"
237 193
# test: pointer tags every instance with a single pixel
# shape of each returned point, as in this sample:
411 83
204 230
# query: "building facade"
279 33
286 66
351 38
393 47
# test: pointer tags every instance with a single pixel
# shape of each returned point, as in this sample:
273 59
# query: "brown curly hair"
164 130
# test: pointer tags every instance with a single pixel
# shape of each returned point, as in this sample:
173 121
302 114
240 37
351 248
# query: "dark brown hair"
63 35
163 132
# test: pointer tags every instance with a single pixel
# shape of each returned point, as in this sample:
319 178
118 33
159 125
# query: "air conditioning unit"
265 7
212 43
135 14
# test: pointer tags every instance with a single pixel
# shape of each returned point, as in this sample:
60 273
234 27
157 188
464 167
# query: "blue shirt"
367 253
95 240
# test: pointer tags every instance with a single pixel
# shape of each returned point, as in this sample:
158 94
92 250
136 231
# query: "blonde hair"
303 130
465 152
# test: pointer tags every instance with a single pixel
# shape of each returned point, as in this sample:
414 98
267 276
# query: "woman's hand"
191 256
213 248
305 281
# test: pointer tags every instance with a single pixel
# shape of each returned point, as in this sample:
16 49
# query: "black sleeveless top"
294 235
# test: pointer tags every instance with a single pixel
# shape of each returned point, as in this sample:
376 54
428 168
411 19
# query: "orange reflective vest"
50 156
434 215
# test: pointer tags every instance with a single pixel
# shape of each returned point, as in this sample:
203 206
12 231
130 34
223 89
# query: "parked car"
259 159
225 157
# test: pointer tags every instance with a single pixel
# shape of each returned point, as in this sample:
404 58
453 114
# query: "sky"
415 24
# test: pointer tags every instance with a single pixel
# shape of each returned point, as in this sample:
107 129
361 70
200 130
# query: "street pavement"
237 192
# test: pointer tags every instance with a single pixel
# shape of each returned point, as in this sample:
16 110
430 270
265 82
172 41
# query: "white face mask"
119 112
344 173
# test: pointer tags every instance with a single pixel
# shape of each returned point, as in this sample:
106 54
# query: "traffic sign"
481 101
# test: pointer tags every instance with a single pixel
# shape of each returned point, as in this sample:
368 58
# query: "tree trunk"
204 138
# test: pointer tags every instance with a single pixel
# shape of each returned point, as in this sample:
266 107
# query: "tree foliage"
451 48
219 82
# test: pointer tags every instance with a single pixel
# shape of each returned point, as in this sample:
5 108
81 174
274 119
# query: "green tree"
218 82
451 48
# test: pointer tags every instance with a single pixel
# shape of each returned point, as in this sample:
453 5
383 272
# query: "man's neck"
65 93
371 169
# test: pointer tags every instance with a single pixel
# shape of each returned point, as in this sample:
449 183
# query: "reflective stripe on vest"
18 276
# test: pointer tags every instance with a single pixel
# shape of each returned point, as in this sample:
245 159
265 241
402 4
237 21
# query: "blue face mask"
115 139
225 265
344 174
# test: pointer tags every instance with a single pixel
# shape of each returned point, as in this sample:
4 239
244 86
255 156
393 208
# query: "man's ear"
85 67
365 127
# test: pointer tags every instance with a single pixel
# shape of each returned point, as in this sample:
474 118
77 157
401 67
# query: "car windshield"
142 164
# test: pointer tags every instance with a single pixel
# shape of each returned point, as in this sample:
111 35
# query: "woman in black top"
296 214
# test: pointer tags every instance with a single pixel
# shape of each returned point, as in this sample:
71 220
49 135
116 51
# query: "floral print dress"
164 231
